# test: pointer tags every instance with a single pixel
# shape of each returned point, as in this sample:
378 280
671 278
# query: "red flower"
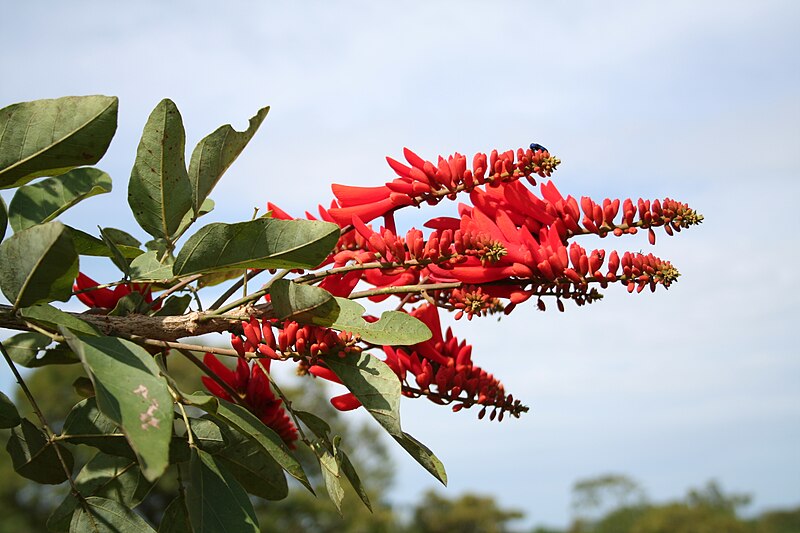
254 388
105 297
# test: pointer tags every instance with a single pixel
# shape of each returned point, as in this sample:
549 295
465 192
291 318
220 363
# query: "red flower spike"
256 392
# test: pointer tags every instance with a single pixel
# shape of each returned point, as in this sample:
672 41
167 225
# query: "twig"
233 288
249 298
178 286
405 289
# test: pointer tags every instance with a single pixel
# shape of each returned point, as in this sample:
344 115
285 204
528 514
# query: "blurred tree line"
603 504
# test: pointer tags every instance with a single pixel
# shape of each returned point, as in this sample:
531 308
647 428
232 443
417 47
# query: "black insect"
537 146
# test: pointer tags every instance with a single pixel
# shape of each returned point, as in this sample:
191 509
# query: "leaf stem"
405 289
178 286
252 297
234 288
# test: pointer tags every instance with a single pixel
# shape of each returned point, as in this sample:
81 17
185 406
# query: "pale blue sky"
699 101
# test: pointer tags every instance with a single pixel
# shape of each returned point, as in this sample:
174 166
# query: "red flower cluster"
443 370
425 182
508 246
253 388
105 297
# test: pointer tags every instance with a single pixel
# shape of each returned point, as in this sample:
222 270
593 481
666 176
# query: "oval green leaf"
131 392
257 471
394 328
216 501
254 429
293 300
159 192
38 265
102 515
215 153
106 476
25 349
85 424
147 267
377 387
34 457
176 517
9 416
260 243
50 137
50 317
44 200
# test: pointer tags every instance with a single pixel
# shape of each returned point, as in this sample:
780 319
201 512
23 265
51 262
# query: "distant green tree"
779 522
469 513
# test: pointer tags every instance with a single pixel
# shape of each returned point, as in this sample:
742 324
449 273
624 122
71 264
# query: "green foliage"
215 153
216 501
159 191
9 416
44 200
376 387
468 514
35 457
38 265
50 137
106 476
132 393
101 515
251 427
260 243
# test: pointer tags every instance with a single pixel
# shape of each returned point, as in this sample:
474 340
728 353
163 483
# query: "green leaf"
86 244
377 387
3 219
50 137
24 349
176 517
38 265
34 457
256 470
293 300
174 306
159 191
132 303
117 257
423 455
393 328
49 317
207 435
215 153
350 473
254 429
85 424
330 474
318 426
147 267
107 476
83 386
44 200
191 217
9 416
215 500
130 392
259 243
102 515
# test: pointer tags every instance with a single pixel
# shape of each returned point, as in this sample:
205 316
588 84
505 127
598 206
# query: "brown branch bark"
165 328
